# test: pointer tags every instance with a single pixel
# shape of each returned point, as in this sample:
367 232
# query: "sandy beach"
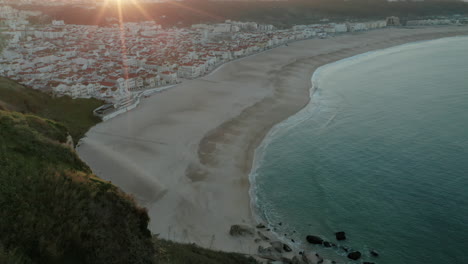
186 153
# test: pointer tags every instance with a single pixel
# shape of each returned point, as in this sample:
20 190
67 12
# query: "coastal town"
233 131
116 63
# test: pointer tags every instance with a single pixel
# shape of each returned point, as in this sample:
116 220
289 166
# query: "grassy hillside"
75 114
54 210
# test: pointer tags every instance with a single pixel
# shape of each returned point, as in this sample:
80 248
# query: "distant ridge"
75 114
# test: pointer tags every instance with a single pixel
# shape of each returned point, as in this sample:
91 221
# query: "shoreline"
300 117
202 143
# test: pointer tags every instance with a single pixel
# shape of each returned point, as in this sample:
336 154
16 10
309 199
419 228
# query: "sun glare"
122 4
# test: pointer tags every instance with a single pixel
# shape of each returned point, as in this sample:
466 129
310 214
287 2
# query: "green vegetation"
54 210
3 41
12 256
174 253
75 114
40 20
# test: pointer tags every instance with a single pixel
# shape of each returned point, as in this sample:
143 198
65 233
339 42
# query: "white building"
58 23
169 77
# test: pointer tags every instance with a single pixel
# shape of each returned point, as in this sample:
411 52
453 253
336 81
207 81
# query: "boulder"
261 249
261 226
306 259
340 235
286 260
314 239
344 248
374 253
286 248
368 262
327 244
319 259
277 245
295 260
310 258
355 255
269 253
240 230
262 236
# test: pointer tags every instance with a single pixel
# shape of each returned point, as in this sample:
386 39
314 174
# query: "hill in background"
282 14
75 114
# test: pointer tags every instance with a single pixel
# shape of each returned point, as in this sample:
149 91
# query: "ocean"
381 152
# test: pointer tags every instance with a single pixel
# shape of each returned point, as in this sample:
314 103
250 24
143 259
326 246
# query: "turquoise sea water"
381 153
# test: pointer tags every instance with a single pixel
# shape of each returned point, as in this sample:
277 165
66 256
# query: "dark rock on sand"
308 258
374 253
319 258
296 260
261 225
327 244
262 236
269 253
355 255
277 245
368 262
314 239
340 235
240 230
286 248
